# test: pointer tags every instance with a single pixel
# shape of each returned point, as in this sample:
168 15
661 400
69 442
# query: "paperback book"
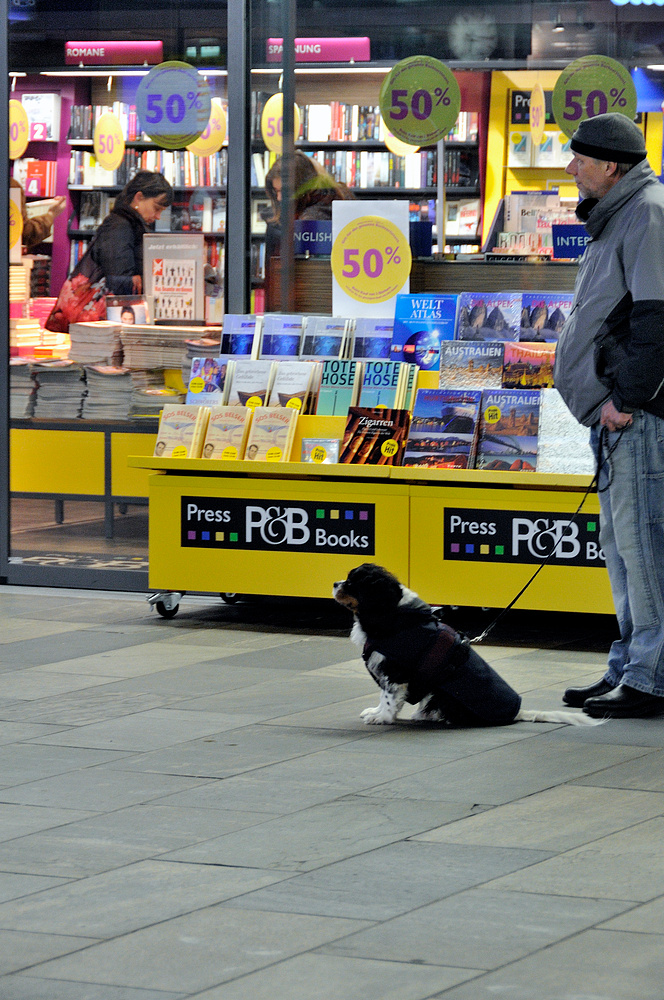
467 364
227 432
489 316
249 382
509 426
324 338
374 436
293 384
421 323
372 338
206 381
528 366
339 387
181 431
239 334
381 384
543 315
271 434
443 431
280 336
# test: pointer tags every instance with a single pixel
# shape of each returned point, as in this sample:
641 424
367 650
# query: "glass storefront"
73 512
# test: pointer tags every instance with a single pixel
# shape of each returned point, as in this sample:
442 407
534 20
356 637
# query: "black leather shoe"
576 697
624 703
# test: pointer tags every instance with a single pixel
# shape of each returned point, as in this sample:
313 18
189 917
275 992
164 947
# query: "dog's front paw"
377 716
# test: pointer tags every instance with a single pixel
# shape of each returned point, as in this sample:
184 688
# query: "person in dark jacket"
118 245
610 371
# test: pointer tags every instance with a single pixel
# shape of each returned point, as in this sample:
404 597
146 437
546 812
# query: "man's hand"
613 419
137 284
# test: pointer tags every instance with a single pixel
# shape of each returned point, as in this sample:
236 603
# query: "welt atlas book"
421 323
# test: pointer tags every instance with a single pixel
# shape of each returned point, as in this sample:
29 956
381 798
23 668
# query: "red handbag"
82 298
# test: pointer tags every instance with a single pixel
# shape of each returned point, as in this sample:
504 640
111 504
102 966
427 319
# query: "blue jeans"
631 486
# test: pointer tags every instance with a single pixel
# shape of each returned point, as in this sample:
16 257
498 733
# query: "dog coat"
433 659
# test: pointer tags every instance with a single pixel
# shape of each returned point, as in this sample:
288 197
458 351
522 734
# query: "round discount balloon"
272 122
15 224
398 147
173 104
371 259
537 114
420 100
108 142
590 86
19 130
212 139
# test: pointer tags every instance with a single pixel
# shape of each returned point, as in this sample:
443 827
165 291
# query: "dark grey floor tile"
31 761
24 987
53 649
391 880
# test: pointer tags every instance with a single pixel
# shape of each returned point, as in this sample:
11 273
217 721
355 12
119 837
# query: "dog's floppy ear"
376 590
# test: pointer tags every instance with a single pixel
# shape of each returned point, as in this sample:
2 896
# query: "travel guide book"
543 315
467 364
421 323
528 366
227 432
443 430
489 316
374 436
509 426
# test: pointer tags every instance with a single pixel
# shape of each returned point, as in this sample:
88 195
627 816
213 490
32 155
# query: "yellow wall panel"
57 461
126 482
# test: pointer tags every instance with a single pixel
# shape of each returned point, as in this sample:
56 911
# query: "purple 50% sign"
173 104
371 259
420 100
591 86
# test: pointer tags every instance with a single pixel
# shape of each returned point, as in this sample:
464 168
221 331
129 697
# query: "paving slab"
645 919
418 874
13 886
620 866
321 834
22 950
592 965
137 895
534 822
19 821
27 762
329 977
461 930
54 648
197 951
23 987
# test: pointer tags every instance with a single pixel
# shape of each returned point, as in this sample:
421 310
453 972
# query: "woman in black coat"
118 246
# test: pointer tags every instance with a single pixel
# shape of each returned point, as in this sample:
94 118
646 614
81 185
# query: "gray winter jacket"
612 345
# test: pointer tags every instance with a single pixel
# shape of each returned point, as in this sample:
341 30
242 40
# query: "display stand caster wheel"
229 598
166 602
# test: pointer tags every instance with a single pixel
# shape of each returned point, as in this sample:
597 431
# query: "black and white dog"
413 657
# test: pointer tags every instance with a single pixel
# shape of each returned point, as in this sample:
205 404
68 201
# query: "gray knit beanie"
610 137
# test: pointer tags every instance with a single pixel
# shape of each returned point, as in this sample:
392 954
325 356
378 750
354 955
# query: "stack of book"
22 388
96 343
200 347
109 394
147 404
60 390
148 346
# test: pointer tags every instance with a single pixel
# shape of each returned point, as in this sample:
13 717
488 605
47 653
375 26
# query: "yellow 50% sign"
19 130
272 123
108 142
420 100
371 259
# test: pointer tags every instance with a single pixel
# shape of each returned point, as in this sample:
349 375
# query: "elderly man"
610 372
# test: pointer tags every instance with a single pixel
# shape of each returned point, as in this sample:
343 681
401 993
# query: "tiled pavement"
192 809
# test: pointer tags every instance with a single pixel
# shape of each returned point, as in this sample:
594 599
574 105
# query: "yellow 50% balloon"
371 259
212 139
19 130
272 123
108 142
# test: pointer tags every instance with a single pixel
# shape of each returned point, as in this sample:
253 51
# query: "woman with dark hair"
314 190
118 246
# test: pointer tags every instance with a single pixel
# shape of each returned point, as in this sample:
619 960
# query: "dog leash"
601 461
